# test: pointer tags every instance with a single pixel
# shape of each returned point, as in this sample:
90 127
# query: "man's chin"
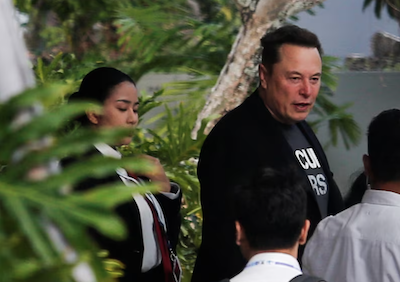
300 116
297 118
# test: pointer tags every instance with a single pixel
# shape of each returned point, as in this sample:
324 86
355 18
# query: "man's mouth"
302 106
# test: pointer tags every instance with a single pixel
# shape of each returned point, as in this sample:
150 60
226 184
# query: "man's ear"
93 117
263 75
239 233
304 232
367 166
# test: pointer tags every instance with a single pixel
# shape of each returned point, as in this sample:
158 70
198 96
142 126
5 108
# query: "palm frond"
32 199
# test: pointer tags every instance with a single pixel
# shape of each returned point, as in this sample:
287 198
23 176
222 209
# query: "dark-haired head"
290 73
383 161
116 93
271 211
97 86
289 34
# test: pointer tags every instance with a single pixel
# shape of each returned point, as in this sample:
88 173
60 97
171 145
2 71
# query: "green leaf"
30 227
111 195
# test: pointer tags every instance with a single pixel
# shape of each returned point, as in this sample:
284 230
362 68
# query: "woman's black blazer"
130 250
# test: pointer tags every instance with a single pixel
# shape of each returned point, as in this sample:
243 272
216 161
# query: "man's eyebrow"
294 73
298 73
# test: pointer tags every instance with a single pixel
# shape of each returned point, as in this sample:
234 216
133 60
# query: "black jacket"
244 141
130 250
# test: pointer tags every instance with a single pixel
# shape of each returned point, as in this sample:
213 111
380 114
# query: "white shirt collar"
381 197
281 258
107 150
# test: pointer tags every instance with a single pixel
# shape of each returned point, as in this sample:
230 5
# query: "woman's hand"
157 174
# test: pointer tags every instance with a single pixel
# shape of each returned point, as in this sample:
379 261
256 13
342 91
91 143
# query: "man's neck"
292 251
393 186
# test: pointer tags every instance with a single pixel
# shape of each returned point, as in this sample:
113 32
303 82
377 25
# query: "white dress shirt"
269 267
360 244
152 254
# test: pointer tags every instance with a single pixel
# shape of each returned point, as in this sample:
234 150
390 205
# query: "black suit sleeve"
336 203
223 165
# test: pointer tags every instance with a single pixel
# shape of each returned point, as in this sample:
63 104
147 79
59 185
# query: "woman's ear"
93 117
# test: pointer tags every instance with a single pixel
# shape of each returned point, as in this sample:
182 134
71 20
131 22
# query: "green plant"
392 7
336 116
34 197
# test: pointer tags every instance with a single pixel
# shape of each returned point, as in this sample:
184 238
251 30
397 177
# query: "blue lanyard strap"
271 262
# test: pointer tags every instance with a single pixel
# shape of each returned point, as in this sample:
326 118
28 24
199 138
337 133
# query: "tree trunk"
240 70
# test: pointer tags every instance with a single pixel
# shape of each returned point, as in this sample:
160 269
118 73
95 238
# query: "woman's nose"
133 117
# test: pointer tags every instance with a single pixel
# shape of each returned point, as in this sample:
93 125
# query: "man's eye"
295 78
122 110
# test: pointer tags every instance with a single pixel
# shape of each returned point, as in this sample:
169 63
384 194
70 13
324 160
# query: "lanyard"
149 196
271 262
175 263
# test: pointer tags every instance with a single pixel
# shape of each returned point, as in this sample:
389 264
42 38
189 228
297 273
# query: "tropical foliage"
392 7
179 154
36 205
339 121
66 40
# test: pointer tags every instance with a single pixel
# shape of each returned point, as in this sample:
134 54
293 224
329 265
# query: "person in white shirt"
271 223
362 243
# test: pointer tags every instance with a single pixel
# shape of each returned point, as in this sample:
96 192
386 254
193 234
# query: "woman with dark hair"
152 220
356 191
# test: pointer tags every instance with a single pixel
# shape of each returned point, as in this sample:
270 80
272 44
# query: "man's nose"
306 88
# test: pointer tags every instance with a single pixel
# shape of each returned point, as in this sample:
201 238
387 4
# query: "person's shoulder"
235 116
306 278
328 222
68 160
89 182
239 120
331 225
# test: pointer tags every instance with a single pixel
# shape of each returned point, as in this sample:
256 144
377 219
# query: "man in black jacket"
267 130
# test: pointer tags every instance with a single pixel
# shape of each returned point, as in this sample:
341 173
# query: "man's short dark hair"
272 209
289 34
384 146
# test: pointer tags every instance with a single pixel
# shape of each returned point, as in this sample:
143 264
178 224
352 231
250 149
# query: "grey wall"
370 93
